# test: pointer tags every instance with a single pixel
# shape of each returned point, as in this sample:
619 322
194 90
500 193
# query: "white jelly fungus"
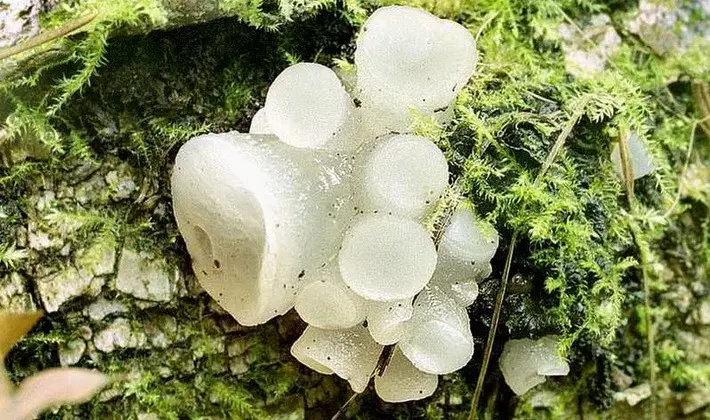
401 381
385 258
526 363
307 106
349 353
386 320
403 175
321 207
326 302
408 59
438 337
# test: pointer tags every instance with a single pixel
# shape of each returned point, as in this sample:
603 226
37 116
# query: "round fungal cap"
438 338
468 239
409 53
386 320
327 303
349 353
385 258
307 106
465 249
401 381
457 281
260 123
403 175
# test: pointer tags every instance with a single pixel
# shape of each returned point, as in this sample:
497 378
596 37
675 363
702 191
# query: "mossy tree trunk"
92 122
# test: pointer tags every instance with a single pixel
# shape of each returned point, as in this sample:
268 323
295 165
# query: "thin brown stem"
494 327
48 36
626 169
560 142
701 96
345 406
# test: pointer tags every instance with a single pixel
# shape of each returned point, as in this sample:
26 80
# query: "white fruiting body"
526 363
321 208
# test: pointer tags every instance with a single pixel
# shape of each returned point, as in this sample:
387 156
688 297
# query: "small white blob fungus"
526 363
260 123
438 338
641 161
408 58
463 255
307 106
401 381
403 175
349 353
385 258
386 320
327 303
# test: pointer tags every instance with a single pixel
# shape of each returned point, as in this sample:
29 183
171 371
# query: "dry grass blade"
345 406
701 96
48 36
554 152
626 167
494 327
13 326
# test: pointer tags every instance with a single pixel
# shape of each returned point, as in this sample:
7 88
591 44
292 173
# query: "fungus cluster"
321 207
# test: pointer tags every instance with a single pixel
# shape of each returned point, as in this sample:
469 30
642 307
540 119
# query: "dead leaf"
13 326
54 387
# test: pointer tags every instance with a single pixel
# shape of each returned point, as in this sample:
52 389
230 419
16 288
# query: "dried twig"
701 96
48 36
345 406
627 169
